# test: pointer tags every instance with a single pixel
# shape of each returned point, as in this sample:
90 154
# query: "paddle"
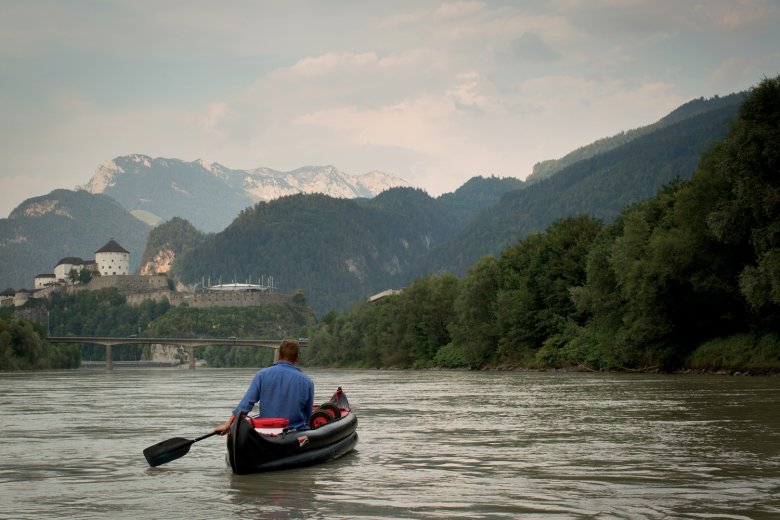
172 449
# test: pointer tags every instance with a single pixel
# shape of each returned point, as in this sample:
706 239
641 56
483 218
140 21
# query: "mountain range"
338 249
210 195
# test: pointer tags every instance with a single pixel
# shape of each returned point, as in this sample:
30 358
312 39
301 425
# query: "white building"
64 266
45 280
112 259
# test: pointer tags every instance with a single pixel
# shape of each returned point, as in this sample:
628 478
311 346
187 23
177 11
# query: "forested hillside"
337 251
43 230
167 240
600 186
688 279
693 108
477 194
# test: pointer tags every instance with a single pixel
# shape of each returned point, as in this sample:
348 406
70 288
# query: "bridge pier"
109 360
191 355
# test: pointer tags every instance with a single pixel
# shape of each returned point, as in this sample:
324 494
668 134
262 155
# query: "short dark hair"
288 350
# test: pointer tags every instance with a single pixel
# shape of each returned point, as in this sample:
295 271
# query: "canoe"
255 445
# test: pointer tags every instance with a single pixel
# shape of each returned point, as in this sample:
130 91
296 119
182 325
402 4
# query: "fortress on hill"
111 268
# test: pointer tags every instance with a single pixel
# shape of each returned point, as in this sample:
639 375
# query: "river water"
432 445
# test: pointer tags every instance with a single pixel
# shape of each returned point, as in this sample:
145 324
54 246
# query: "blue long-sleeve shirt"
282 390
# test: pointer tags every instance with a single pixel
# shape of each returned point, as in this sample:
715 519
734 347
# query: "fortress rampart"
221 299
128 284
137 288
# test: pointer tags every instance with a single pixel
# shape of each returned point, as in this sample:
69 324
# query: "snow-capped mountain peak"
141 183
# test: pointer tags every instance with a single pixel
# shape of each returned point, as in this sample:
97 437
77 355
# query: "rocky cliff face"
159 264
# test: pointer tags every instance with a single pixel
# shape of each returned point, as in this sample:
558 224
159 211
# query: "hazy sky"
436 92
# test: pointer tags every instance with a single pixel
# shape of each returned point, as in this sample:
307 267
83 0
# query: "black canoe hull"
251 452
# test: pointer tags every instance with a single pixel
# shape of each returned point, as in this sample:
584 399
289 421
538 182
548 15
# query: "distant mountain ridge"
599 186
340 249
210 195
693 108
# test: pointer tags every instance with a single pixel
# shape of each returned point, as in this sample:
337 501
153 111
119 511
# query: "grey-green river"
432 445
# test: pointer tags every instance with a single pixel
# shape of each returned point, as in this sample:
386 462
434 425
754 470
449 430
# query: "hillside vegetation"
696 107
337 251
687 279
600 186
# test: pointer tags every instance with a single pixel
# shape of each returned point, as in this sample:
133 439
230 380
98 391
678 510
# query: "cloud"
739 73
413 124
530 46
437 94
740 15
452 10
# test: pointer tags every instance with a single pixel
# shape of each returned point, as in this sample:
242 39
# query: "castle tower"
112 259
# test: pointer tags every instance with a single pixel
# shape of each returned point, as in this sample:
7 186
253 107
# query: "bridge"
190 343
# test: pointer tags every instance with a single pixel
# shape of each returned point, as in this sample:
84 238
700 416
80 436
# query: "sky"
435 92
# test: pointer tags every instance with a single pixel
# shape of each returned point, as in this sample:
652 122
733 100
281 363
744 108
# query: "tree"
475 331
85 275
746 165
537 275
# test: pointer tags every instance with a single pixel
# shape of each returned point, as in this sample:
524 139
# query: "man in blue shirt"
282 390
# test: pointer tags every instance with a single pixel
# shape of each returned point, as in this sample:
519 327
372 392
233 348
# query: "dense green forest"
688 279
599 186
337 251
22 347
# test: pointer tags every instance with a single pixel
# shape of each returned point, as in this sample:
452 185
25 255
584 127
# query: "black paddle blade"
166 451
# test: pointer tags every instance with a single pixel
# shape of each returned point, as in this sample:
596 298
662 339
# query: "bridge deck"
190 343
185 342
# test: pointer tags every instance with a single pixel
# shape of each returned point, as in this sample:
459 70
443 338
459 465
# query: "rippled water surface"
432 445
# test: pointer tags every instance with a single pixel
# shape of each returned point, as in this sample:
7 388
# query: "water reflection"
281 495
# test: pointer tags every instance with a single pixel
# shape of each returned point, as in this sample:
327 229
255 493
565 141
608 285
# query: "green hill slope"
693 108
600 186
337 251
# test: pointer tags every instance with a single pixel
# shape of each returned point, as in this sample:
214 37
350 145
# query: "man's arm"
251 396
222 429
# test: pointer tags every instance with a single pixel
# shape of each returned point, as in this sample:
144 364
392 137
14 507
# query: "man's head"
288 351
